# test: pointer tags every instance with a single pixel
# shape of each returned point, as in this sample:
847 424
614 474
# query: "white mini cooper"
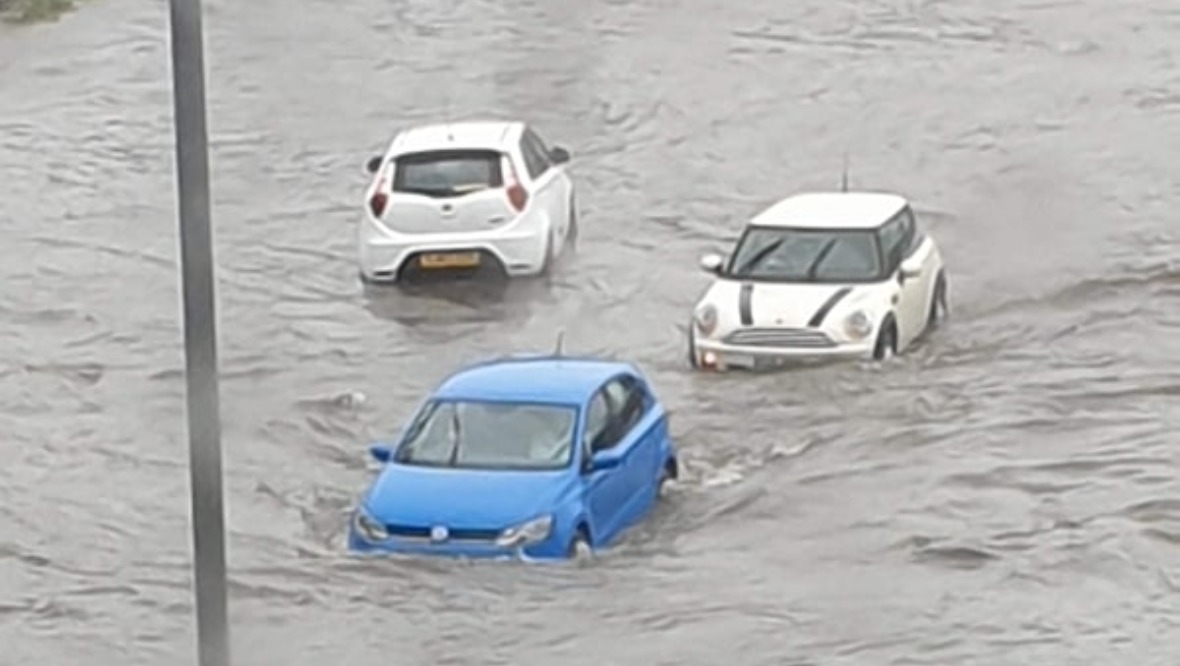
466 195
820 275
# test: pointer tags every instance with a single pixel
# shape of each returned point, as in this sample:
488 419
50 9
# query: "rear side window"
448 173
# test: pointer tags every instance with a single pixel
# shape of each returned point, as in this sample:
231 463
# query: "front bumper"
383 254
550 549
718 355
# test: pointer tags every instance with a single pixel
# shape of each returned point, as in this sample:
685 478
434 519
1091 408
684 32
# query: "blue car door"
605 490
630 432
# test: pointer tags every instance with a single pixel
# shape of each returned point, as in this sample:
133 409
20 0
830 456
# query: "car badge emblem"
438 533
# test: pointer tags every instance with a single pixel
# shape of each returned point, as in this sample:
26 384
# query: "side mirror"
603 461
909 271
711 263
374 163
559 155
381 453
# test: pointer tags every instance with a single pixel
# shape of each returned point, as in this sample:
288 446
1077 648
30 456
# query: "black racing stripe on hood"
822 312
745 311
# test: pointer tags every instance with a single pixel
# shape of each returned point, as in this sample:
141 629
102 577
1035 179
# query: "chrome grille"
454 534
780 337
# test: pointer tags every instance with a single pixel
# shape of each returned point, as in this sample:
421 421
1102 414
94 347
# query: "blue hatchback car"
534 457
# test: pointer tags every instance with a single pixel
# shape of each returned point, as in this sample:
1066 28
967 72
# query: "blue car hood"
424 496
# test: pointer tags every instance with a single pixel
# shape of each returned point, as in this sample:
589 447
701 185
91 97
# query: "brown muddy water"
1006 494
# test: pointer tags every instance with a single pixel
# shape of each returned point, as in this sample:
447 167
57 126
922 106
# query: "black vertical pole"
200 333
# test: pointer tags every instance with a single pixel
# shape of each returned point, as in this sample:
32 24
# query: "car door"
605 491
632 435
918 266
549 183
906 295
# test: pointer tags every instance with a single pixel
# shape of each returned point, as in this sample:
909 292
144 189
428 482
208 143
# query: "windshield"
490 435
806 255
447 173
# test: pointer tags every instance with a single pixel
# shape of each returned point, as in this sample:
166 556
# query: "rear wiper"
455 436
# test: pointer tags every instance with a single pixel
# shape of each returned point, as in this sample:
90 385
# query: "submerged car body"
533 458
464 196
820 275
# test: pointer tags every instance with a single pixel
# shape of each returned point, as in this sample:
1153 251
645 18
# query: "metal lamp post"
200 333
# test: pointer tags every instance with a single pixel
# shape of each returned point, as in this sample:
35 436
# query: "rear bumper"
716 355
383 254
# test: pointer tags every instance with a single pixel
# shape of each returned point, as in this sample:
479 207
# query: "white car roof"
832 210
474 134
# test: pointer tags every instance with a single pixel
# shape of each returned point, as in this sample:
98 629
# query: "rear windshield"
448 173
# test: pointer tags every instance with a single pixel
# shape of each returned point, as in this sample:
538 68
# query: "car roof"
832 210
542 379
469 134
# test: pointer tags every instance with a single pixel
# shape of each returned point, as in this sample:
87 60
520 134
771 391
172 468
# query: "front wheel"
579 549
692 348
939 303
886 346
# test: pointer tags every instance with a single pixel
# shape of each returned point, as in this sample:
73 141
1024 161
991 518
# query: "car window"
628 403
535 154
489 435
597 419
892 237
787 254
913 236
448 173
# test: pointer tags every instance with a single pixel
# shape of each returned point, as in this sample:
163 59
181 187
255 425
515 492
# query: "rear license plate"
449 260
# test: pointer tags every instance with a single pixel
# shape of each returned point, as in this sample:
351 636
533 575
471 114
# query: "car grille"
454 533
780 337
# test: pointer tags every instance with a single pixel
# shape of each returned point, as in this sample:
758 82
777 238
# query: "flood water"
1007 494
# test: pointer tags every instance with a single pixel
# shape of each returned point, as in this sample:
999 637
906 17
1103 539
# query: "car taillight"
517 195
377 203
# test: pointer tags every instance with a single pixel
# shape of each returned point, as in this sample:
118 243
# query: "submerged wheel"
547 262
667 475
571 237
939 303
580 549
886 346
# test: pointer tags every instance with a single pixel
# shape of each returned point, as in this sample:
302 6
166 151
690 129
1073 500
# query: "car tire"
571 236
939 303
580 549
665 480
547 260
692 348
886 346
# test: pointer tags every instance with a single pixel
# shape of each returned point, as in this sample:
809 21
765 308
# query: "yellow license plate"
449 260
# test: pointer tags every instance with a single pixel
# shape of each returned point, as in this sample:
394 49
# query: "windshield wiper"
455 436
819 258
758 257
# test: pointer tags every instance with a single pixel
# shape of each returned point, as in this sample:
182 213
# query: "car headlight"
858 325
705 319
532 531
369 527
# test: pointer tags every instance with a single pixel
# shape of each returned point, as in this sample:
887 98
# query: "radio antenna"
559 347
844 174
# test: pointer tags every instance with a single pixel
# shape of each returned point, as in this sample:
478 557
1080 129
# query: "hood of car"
786 305
462 498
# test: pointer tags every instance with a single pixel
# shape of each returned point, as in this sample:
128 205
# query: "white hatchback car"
465 195
820 275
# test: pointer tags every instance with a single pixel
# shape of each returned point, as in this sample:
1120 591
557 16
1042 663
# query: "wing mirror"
374 164
559 155
712 262
382 453
909 271
603 461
